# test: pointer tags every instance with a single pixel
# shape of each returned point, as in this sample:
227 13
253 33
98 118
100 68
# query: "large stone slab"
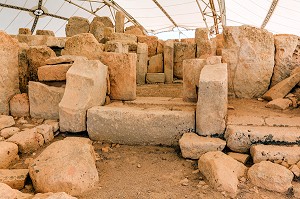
53 72
133 125
65 59
249 53
122 74
153 78
123 37
120 19
67 166
142 63
9 75
8 154
23 67
58 195
240 138
105 20
42 40
77 25
19 105
15 178
6 192
169 60
156 64
86 87
44 100
212 100
151 41
204 45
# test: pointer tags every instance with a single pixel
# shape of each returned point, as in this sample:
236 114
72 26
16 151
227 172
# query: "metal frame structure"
269 14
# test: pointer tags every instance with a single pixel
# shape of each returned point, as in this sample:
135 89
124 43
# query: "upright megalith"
169 60
120 18
86 87
77 25
204 45
141 64
9 74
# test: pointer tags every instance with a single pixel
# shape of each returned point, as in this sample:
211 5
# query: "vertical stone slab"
86 87
168 61
212 100
191 73
141 64
23 67
77 25
122 74
156 64
182 51
204 45
9 74
151 41
120 17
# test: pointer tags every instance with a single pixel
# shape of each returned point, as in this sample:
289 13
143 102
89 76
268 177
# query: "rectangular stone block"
123 36
44 100
212 100
15 178
169 60
86 87
204 45
151 41
120 19
142 62
182 51
156 64
152 78
122 74
116 46
53 72
139 126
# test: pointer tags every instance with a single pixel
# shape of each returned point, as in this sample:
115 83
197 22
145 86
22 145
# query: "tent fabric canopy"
156 16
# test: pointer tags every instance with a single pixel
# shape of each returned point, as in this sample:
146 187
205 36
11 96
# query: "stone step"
159 90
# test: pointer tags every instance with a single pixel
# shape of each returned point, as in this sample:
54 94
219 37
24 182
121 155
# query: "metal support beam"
271 10
165 13
69 1
212 4
203 15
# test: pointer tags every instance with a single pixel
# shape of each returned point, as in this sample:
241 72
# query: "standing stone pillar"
169 61
141 65
212 100
9 73
120 17
204 45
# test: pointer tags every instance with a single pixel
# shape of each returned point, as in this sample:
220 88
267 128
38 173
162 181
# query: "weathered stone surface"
152 78
160 47
23 67
120 19
37 56
46 131
15 178
19 105
245 120
134 31
270 176
191 74
204 45
53 72
151 41
64 166
6 192
105 20
156 64
289 154
97 29
281 89
9 75
6 121
28 141
122 74
86 87
84 44
211 60
249 53
44 100
79 139
240 138
193 146
163 126
116 46
65 59
283 121
182 51
142 62
279 103
169 60
77 25
8 154
8 132
24 31
296 189
58 195
42 40
242 158
285 46
45 32
212 100
122 36
295 169
221 171
53 123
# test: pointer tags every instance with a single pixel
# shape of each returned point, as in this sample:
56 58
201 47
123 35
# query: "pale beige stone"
97 29
287 121
156 64
160 47
105 20
134 30
116 46
169 60
45 32
6 192
19 105
211 60
142 63
245 120
42 40
295 169
193 146
153 78
242 158
151 41
6 121
15 178
270 176
46 131
204 45
296 189
120 19
50 195
280 103
8 132
77 25
53 72
64 166
8 154
65 59
53 123
122 36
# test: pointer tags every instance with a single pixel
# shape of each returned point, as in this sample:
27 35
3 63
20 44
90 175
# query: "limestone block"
156 64
28 141
240 138
270 176
97 29
245 120
160 47
169 60
296 189
53 72
204 45
8 154
142 62
79 139
6 121
193 146
122 74
86 87
23 67
289 154
53 123
84 44
151 41
212 100
19 105
105 20
120 19
44 100
6 192
221 171
242 158
182 51
188 40
8 132
134 30
249 53
191 74
64 166
24 31
45 32
211 60
58 195
9 75
116 46
15 178
37 56
126 125
285 47
152 78
65 59
279 103
46 131
42 40
77 25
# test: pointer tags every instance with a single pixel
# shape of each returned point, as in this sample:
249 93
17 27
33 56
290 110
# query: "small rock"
22 121
8 154
6 121
201 182
15 178
30 126
205 186
53 123
6 192
195 171
242 158
46 131
139 166
285 164
279 103
230 107
184 182
8 132
28 161
2 138
19 105
243 179
296 170
260 99
105 149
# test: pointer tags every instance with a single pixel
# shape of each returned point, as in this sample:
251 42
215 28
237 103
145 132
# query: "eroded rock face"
9 75
77 25
8 154
67 166
6 192
249 53
105 20
59 195
19 105
23 67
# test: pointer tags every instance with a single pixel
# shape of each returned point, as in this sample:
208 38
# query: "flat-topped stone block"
53 72
152 78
